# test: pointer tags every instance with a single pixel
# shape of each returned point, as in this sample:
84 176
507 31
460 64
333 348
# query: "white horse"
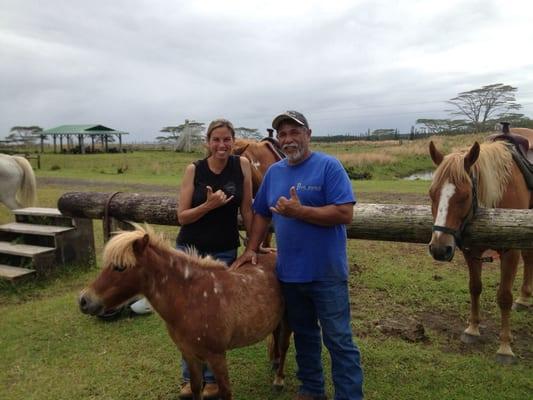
17 182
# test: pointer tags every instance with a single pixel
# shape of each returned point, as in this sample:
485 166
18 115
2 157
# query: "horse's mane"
492 169
119 250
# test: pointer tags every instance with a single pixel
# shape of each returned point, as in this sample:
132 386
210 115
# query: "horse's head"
121 277
453 194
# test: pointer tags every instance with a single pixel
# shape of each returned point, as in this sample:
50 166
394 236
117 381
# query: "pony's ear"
472 156
240 150
436 155
140 244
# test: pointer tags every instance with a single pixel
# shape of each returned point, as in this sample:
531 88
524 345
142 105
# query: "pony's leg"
523 301
197 380
218 364
509 263
471 333
282 339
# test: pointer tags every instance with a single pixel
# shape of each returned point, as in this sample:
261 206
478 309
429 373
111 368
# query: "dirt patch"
86 184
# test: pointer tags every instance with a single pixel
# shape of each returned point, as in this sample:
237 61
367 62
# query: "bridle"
458 233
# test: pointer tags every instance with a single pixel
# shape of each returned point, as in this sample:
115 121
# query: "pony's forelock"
119 250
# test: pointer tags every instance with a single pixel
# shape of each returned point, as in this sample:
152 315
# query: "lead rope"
107 220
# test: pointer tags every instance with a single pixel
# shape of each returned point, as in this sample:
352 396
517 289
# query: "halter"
458 233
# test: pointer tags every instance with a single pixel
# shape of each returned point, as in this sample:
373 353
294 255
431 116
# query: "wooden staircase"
42 238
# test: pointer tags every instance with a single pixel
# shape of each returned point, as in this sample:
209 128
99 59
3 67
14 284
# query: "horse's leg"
523 301
197 380
218 364
471 333
509 263
282 341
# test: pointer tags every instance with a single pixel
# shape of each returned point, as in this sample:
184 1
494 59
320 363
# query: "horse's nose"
442 253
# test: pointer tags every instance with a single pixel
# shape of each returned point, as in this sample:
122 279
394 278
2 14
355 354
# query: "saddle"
275 144
519 147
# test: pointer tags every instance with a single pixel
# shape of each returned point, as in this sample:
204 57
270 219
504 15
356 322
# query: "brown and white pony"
207 308
486 175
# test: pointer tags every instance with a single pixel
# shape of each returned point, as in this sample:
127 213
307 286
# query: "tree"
25 134
444 126
481 105
184 136
248 133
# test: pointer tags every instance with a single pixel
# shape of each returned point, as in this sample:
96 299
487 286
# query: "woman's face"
220 143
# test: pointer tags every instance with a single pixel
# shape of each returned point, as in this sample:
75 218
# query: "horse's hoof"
506 359
469 339
520 307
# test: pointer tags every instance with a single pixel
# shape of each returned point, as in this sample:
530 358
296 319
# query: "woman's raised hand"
216 199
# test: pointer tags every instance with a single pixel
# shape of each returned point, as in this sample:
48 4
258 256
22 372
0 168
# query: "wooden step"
39 211
24 250
32 229
13 273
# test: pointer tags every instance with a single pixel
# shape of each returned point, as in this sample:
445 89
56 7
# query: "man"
309 198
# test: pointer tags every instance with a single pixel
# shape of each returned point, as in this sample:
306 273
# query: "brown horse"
488 175
261 156
207 308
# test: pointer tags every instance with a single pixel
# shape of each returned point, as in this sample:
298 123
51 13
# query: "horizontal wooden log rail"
494 228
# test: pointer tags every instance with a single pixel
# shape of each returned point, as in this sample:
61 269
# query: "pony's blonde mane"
492 169
119 250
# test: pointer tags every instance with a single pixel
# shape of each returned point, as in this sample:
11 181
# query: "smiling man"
308 197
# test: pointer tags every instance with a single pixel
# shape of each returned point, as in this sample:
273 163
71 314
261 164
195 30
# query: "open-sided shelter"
94 132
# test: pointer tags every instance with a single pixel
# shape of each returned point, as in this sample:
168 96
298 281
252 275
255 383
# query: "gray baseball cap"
292 116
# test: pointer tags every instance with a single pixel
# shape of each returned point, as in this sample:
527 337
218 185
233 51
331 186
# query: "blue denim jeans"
227 257
321 311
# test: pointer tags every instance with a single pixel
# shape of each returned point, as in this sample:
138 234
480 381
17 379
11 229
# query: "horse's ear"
240 150
436 155
472 156
140 244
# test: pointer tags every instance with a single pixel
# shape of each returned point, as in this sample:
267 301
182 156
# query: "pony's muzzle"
442 252
89 305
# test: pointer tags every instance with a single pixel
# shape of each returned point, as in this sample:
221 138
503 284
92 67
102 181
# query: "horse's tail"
27 193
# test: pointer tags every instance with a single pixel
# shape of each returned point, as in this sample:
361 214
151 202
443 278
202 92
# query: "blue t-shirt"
307 252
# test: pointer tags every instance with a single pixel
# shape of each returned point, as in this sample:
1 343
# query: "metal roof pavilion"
81 131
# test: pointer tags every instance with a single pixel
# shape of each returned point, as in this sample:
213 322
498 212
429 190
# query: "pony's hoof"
506 359
520 307
278 387
469 339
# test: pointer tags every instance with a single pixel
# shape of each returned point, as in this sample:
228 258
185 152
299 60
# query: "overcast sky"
347 65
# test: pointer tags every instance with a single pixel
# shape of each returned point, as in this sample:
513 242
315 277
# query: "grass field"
49 350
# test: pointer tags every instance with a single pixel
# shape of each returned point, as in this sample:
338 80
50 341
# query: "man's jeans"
327 304
227 257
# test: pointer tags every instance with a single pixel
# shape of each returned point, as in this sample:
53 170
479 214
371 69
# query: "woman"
212 191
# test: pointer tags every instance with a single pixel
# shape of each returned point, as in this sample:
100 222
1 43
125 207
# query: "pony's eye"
118 268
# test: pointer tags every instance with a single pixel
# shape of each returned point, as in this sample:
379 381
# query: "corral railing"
494 228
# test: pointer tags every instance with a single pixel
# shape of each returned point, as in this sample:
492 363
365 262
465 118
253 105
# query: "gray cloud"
141 65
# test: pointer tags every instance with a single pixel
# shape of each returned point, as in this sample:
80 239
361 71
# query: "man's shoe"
301 396
210 391
186 391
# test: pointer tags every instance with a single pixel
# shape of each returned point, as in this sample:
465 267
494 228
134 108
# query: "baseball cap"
292 116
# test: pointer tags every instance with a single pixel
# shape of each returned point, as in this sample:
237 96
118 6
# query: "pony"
486 175
207 308
17 182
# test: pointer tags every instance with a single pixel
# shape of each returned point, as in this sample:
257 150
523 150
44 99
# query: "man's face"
294 141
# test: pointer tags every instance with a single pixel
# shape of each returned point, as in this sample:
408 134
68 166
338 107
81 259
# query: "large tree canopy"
484 105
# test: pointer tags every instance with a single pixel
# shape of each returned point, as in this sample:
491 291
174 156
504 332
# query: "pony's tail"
27 193
271 348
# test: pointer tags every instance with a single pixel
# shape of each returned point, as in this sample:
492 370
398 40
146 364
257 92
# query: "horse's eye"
119 268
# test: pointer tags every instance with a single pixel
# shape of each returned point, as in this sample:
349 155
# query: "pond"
422 176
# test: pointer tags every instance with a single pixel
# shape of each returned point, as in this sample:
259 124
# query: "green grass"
49 350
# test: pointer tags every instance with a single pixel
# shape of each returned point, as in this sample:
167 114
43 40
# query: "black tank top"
217 230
